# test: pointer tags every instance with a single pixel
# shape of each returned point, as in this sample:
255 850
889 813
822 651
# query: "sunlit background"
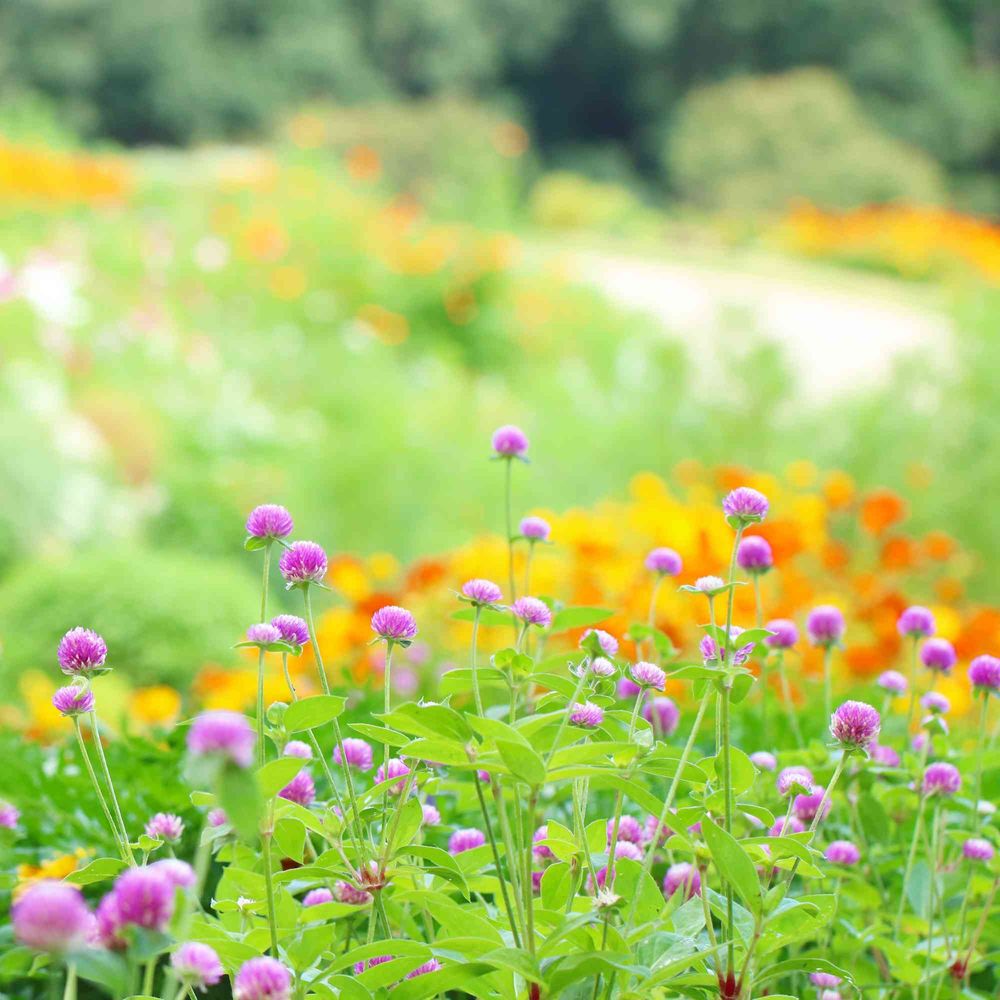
314 252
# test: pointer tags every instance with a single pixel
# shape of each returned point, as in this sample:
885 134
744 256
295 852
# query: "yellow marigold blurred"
58 868
158 705
363 163
287 283
391 328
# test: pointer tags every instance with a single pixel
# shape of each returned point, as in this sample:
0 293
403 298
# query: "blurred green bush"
566 201
758 142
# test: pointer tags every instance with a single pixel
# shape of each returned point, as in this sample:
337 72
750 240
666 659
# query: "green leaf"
571 618
438 751
252 543
807 964
102 967
380 735
557 880
439 862
515 960
275 774
734 864
311 713
431 721
488 616
632 883
290 836
99 870
239 797
523 762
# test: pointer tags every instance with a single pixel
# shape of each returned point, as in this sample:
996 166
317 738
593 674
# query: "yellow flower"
155 706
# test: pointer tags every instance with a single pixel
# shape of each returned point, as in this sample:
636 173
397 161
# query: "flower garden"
734 737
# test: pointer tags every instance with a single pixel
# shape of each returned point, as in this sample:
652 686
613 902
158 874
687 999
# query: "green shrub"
163 615
564 200
755 143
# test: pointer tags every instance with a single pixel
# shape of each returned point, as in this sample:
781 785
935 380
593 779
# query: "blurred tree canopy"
583 73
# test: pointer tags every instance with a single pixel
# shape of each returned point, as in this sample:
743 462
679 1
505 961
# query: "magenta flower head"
684 876
224 734
292 629
394 624
178 873
745 506
298 749
607 642
916 623
510 442
9 815
217 817
842 852
627 688
806 807
358 753
793 780
351 894
855 725
431 965
269 521
984 674
301 789
588 715
825 625
465 840
303 563
764 760
884 755
81 651
786 633
978 849
360 967
51 916
602 667
626 849
263 634
262 978
197 965
539 849
824 980
936 702
481 592
662 714
754 554
316 897
781 827
664 561
893 682
630 830
535 529
396 769
709 585
144 897
532 611
938 655
73 700
165 826
648 675
431 815
941 778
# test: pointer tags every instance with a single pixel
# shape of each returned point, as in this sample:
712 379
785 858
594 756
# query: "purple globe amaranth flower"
484 776
217 817
792 825
764 760
665 561
394 624
51 916
825 625
262 978
662 714
936 703
482 591
978 849
883 755
144 897
510 442
602 667
745 505
197 965
317 897
710 652
984 673
916 622
893 682
431 815
654 830
754 554
938 655
588 715
73 700
298 749
535 529
626 849
648 675
431 965
395 769
629 830
358 753
269 521
222 733
539 849
605 640
709 584
627 688
292 629
81 651
303 563
9 815
682 876
465 840
842 852
178 873
165 826
532 611
351 894
855 725
786 633
824 979
263 634
941 778
360 967
794 779
301 789
807 807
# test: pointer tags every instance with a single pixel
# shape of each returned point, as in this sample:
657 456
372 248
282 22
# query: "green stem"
148 976
98 790
529 891
111 786
651 653
496 859
911 857
786 696
260 659
475 666
820 812
269 889
508 846
582 680
765 690
527 566
913 685
69 993
981 753
509 527
827 682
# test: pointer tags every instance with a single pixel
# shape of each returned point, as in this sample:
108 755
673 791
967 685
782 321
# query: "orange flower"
880 510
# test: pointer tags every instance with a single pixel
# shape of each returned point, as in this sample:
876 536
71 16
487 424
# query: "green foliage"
567 201
757 143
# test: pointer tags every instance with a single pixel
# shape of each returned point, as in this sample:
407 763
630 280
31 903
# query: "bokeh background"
313 252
